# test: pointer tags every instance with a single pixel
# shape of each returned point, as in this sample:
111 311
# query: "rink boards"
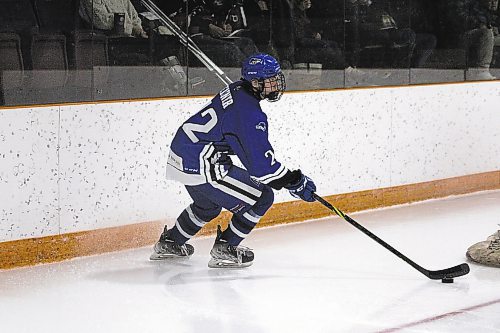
90 178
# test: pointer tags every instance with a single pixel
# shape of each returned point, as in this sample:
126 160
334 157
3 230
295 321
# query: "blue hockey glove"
303 189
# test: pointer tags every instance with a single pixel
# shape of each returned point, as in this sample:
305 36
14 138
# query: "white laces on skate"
184 249
240 251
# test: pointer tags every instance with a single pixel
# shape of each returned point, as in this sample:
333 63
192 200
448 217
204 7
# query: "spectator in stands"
274 33
282 30
418 16
473 21
404 47
131 46
258 16
496 33
212 35
229 16
230 13
101 14
309 46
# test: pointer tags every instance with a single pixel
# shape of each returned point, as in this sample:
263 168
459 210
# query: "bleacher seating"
49 61
90 58
11 60
11 64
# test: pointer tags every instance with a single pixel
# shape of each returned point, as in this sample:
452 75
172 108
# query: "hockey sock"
186 226
239 227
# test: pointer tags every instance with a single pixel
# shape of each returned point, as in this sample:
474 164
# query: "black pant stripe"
237 189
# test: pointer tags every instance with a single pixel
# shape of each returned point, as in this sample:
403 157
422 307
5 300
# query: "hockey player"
232 124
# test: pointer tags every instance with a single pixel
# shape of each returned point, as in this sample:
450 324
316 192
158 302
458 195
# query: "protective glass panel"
38 53
54 51
221 35
143 52
317 54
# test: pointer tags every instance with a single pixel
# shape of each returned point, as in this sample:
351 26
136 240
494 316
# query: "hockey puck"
447 280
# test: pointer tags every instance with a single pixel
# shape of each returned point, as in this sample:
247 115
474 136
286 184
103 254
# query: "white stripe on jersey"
236 231
208 166
199 222
234 193
173 173
220 172
205 163
266 179
243 186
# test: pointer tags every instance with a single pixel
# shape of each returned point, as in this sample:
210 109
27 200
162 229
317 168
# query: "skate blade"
213 263
158 256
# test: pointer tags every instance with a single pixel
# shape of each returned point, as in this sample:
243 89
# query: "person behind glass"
474 21
233 123
404 47
114 16
496 33
230 15
258 16
271 27
419 16
309 46
211 38
230 19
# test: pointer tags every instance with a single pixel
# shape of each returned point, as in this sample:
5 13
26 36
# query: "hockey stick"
448 273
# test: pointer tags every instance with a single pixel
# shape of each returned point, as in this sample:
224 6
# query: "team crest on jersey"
261 126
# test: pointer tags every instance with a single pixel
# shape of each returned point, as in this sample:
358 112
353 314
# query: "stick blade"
451 272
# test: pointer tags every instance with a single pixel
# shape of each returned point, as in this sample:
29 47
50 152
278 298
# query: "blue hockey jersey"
232 123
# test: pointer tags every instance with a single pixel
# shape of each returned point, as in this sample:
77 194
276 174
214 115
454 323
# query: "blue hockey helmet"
266 70
260 66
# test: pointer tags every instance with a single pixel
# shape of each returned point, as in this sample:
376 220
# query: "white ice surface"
317 276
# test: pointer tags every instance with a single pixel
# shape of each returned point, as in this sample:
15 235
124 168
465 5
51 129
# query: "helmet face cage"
272 88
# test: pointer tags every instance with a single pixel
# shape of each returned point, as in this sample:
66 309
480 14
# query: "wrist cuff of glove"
291 177
297 182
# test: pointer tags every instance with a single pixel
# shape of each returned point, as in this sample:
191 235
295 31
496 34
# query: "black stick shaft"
450 272
368 233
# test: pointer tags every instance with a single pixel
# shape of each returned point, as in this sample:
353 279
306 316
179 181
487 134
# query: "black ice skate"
166 248
228 256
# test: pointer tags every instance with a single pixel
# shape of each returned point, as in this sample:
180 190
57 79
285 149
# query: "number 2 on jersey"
270 153
190 128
